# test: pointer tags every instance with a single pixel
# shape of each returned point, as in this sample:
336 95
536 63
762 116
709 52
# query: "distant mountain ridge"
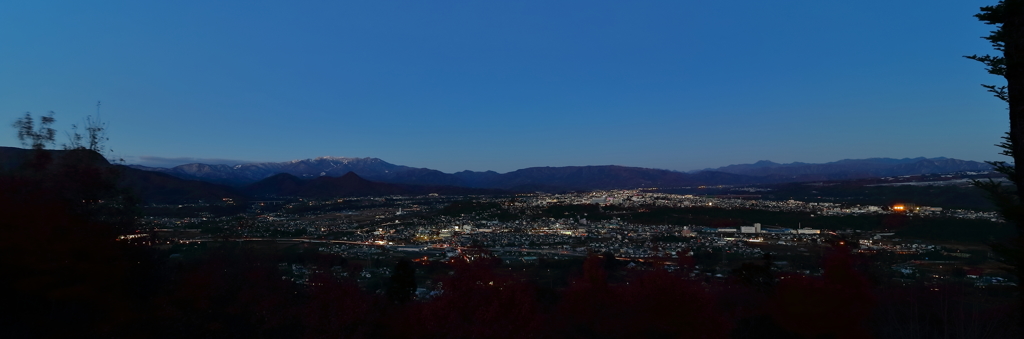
336 176
239 175
161 186
853 168
148 186
570 177
348 185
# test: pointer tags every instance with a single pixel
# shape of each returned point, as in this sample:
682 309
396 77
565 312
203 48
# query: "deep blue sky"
502 85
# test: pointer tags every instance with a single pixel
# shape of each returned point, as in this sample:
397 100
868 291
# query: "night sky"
503 85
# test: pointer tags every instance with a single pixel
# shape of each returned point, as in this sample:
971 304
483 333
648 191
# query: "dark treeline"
66 275
950 197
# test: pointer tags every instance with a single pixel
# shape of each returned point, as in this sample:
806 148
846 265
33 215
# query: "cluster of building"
369 228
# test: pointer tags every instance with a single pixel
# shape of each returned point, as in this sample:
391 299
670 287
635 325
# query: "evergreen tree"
403 283
1008 38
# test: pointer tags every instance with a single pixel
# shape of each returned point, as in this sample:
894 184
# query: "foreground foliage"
67 276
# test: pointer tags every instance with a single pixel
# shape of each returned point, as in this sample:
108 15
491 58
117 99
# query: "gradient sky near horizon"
503 85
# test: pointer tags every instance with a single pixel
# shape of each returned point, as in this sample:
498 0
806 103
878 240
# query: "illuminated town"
525 229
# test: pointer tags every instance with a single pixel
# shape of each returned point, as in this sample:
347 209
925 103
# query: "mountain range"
348 185
569 177
157 187
852 168
337 177
148 186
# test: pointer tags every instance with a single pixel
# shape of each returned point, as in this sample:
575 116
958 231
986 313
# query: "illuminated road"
326 241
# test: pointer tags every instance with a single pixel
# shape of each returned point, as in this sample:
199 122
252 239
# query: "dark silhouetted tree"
403 282
1008 38
94 138
755 276
31 136
63 211
1008 17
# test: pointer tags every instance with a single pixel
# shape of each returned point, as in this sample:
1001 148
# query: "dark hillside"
349 185
159 188
949 197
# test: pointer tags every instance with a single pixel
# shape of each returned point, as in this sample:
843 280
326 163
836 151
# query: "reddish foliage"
338 309
838 303
656 304
477 304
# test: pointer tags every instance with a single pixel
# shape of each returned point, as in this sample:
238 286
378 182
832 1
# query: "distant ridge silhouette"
323 177
148 186
853 168
571 177
162 187
348 185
